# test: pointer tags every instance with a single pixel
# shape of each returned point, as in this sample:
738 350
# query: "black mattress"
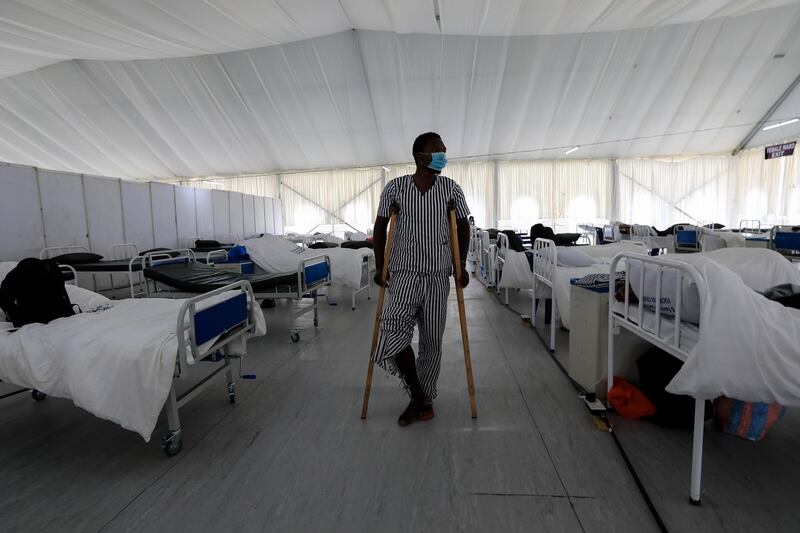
120 265
199 278
206 249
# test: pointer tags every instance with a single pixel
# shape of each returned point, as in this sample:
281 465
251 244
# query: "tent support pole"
767 116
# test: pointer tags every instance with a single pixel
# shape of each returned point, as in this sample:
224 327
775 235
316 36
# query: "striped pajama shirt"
419 272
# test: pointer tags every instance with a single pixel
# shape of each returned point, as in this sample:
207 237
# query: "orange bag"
629 401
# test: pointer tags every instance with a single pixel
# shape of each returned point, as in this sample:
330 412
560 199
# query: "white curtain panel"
768 191
562 194
339 200
665 192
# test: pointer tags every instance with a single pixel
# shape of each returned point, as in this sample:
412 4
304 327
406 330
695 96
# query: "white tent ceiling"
184 87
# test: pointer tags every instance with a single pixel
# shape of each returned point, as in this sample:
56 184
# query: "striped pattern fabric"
422 238
419 279
421 299
597 281
749 420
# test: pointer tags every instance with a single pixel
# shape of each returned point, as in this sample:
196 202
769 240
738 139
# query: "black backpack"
34 291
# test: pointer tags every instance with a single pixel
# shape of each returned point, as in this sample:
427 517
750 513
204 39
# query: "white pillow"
571 257
86 300
690 298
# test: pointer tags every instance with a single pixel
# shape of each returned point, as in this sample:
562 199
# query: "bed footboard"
545 259
206 328
631 316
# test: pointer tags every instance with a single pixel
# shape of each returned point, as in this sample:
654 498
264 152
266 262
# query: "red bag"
629 401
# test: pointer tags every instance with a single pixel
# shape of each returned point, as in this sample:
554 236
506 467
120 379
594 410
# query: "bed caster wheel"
316 321
295 337
38 395
232 392
693 501
172 443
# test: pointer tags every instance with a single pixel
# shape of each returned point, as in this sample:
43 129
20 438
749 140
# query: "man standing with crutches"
419 269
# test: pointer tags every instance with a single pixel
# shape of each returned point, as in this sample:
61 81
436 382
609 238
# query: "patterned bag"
749 420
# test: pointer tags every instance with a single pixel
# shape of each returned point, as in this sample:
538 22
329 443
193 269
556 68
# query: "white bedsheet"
748 347
116 363
276 254
758 268
517 273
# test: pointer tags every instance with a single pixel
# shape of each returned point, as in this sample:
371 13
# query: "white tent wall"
165 221
260 221
63 209
22 233
204 214
236 205
40 208
137 213
185 214
248 216
221 208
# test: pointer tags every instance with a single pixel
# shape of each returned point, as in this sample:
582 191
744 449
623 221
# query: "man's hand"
379 278
464 276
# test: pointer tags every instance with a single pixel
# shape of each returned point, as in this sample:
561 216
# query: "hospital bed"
648 236
349 267
737 342
121 360
185 276
125 259
550 280
786 241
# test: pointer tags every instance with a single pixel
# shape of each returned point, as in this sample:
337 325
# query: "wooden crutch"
384 273
461 312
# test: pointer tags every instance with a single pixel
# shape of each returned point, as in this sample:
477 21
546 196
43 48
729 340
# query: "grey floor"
293 454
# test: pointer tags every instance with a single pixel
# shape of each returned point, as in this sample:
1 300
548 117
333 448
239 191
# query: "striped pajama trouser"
414 298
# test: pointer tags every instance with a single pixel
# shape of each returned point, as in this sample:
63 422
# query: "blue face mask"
438 161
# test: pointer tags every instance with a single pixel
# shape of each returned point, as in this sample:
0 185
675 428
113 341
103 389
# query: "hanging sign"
779 150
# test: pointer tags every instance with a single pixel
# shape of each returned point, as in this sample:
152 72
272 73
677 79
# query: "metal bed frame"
785 241
305 289
365 278
545 259
749 226
625 319
118 252
486 260
545 262
611 233
229 320
366 281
